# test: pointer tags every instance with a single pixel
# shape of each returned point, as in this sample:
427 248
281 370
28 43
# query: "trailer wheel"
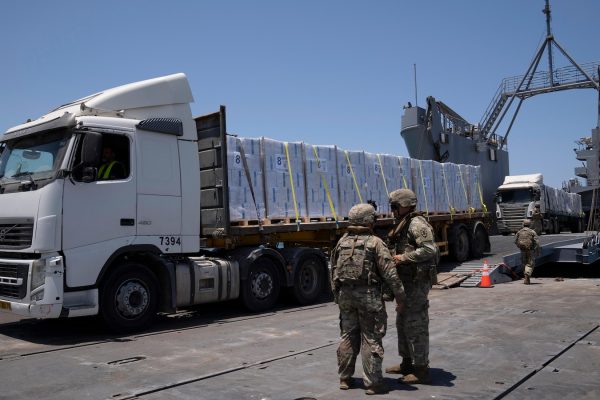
309 280
261 289
479 243
459 247
129 298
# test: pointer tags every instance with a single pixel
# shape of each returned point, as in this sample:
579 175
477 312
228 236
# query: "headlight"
38 296
38 273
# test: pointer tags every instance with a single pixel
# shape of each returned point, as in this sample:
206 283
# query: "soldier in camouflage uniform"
360 264
416 254
527 241
537 219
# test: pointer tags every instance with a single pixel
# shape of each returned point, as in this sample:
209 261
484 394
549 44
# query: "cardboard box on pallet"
241 203
321 181
393 174
457 191
422 171
375 187
440 188
280 173
351 179
475 187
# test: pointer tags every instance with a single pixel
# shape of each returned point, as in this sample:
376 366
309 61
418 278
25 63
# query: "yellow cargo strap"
403 177
462 182
481 197
290 172
452 210
423 185
387 192
353 176
326 186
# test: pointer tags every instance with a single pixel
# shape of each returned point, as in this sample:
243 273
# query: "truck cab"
62 223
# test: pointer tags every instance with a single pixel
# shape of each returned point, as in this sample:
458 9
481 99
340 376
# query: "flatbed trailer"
159 237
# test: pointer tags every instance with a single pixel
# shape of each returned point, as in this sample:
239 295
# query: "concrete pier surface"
512 341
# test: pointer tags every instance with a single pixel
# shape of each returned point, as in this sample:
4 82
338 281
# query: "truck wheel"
309 280
479 243
129 298
459 247
261 289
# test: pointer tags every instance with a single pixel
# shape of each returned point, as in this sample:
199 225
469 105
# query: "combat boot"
405 368
419 376
378 388
527 281
345 383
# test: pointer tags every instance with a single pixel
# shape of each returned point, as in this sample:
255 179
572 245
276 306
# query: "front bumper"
32 288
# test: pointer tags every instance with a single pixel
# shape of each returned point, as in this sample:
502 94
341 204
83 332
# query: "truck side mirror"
91 150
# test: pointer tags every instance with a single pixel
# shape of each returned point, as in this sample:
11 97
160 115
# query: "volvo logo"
4 231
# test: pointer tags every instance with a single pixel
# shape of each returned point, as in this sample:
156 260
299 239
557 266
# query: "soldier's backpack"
354 262
524 240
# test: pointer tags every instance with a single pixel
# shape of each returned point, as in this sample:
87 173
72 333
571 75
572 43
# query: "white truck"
159 237
517 197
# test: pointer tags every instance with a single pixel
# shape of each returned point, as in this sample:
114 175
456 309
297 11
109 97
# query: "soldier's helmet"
526 222
362 214
403 198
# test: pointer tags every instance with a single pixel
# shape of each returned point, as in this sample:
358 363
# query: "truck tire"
309 280
129 298
479 242
260 290
459 246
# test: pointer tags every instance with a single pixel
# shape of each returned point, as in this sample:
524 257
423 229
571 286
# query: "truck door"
99 217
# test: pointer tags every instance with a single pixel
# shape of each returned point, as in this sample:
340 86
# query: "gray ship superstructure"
440 134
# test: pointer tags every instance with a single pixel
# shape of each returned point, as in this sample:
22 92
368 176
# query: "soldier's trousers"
363 322
413 323
528 262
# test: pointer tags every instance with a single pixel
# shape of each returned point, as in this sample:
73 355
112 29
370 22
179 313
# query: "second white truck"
517 197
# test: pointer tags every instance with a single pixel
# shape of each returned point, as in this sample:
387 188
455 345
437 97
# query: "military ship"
441 134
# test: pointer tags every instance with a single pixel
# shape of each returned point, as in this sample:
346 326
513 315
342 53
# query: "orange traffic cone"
485 276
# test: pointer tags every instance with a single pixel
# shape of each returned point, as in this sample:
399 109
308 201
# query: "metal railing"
568 77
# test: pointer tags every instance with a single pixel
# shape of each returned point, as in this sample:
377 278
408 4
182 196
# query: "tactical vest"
356 261
399 243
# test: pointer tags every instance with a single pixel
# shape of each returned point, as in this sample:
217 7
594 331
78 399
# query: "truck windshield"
515 196
36 157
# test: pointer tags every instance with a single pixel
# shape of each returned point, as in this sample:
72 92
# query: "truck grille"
13 280
16 234
513 216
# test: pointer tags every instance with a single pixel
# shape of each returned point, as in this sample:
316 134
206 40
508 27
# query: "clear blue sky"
321 71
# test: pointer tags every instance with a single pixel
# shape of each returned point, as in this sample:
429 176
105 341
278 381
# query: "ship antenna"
415 78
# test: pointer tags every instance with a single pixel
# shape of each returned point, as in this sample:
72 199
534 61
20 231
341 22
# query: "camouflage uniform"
360 264
529 251
413 238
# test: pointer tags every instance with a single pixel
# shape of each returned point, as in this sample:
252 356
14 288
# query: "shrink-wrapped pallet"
476 199
321 181
241 203
284 179
393 172
375 184
456 188
465 182
422 171
440 187
351 179
406 176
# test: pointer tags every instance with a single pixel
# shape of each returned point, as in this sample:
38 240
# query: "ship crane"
534 82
